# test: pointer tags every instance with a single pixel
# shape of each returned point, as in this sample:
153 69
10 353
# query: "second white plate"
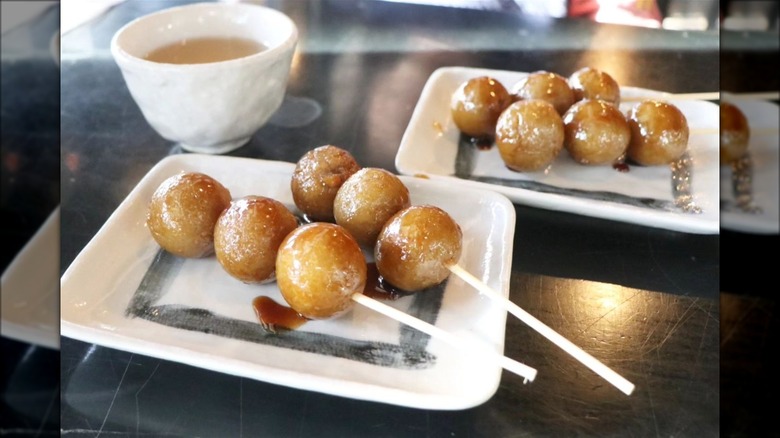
764 153
430 146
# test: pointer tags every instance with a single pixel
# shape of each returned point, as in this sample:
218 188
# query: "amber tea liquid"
205 50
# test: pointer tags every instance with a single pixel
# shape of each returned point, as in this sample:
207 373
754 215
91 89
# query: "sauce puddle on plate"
273 316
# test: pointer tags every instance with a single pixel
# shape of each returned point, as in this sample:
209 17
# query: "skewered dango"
591 83
548 86
316 179
416 247
659 133
529 135
596 132
183 211
247 237
367 200
318 268
476 105
734 133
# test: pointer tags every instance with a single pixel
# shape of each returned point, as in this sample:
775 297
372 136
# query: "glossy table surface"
361 66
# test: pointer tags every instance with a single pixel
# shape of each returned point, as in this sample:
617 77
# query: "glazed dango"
596 132
548 86
734 133
247 237
529 135
659 133
476 105
416 246
318 269
183 211
367 200
317 177
591 83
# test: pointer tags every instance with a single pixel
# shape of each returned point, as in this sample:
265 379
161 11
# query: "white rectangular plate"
196 314
642 195
763 148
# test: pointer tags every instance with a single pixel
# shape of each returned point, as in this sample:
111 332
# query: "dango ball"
548 86
592 83
734 133
529 135
659 133
319 267
317 177
367 200
183 211
416 246
476 105
597 132
247 237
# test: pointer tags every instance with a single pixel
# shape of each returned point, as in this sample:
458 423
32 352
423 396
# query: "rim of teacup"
131 59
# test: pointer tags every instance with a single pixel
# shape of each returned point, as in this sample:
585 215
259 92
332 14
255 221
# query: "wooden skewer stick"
591 362
712 95
715 95
766 95
703 131
754 132
508 364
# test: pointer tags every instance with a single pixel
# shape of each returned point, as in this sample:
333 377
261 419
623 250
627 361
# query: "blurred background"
29 193
664 14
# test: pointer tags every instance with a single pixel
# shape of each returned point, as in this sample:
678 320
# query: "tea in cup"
207 75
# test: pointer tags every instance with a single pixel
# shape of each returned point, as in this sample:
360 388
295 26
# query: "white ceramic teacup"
211 107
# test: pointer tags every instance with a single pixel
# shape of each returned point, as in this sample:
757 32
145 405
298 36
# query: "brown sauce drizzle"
621 166
481 143
378 288
273 316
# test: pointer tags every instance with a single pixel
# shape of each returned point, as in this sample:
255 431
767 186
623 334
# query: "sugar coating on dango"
659 133
591 83
247 237
476 105
318 269
547 86
366 201
529 135
416 247
596 132
183 211
317 177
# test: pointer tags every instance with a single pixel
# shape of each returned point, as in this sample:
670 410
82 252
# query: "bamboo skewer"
586 359
754 132
712 95
766 95
522 370
715 95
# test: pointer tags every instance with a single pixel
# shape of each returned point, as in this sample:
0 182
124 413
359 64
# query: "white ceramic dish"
212 107
430 146
362 355
29 291
763 119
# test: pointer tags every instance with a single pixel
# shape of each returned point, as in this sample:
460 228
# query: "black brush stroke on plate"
409 353
466 159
